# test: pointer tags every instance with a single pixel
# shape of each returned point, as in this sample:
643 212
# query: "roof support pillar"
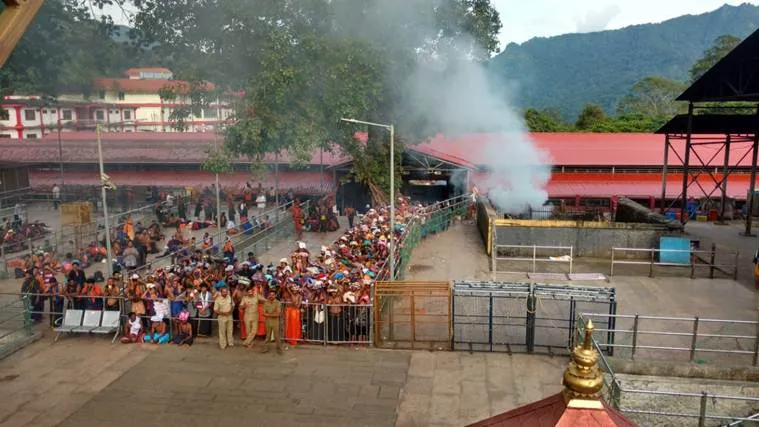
664 173
725 173
686 170
752 183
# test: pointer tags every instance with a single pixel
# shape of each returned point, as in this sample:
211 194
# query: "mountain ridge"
569 71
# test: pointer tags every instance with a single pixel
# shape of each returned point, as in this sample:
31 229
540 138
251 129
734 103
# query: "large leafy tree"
721 47
304 65
652 96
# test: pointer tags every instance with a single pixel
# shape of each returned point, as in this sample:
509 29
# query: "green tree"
721 47
652 96
592 116
544 121
304 65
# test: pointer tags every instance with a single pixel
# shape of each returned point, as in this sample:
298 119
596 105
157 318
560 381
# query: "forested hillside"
567 72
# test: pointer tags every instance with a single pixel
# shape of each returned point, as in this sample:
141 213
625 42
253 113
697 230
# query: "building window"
53 111
67 115
31 136
101 94
5 136
114 111
210 113
44 111
4 114
127 114
30 115
121 96
99 115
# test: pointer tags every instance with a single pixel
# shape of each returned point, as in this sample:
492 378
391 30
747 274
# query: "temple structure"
578 405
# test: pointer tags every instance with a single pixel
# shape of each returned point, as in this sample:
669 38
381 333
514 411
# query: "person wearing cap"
249 305
272 312
184 330
222 306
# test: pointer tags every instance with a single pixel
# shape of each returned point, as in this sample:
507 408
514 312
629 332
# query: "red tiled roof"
130 147
137 71
552 411
308 182
146 85
633 185
578 149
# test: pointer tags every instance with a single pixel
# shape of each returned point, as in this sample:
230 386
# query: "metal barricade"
16 326
680 338
714 260
328 323
718 408
533 254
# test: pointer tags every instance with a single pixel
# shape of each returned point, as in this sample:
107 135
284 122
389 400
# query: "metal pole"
218 196
60 155
635 337
752 183
694 339
392 203
664 173
686 171
109 253
702 410
725 173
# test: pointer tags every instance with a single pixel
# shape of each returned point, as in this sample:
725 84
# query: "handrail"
616 389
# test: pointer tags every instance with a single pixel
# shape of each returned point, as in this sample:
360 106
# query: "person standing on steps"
222 306
272 311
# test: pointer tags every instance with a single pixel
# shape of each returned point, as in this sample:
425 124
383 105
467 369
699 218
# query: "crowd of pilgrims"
331 287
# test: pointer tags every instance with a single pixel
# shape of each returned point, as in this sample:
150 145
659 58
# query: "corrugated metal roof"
307 182
633 185
578 149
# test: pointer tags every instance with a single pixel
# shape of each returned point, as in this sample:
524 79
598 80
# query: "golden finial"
582 378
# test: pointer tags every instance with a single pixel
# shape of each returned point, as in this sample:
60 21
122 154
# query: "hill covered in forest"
565 73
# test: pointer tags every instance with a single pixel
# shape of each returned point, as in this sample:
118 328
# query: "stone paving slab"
204 386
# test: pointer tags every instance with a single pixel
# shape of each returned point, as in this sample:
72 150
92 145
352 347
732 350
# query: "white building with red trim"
130 104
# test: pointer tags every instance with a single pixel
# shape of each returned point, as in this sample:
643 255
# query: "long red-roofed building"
584 165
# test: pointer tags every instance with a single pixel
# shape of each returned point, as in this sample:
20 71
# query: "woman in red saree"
293 326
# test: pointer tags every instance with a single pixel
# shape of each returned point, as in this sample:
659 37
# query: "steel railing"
615 393
535 256
698 259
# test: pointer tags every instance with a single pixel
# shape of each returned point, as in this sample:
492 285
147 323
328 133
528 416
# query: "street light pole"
218 196
392 241
105 182
60 153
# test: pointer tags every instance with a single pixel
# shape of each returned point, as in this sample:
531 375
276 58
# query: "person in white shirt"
132 330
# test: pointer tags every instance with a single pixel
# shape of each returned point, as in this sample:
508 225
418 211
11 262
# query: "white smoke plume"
463 99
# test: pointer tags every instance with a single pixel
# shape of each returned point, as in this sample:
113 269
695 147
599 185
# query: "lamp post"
105 184
60 153
218 197
391 128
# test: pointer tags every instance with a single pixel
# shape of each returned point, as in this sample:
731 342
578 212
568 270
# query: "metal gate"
412 315
525 317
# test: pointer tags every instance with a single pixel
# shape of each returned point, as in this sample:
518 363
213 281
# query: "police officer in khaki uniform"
222 306
249 304
272 311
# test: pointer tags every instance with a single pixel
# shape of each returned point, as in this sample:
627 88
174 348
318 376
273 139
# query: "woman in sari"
293 326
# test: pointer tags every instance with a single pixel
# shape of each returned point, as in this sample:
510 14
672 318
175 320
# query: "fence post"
702 410
534 257
490 321
635 336
692 265
530 321
611 270
572 326
694 339
610 337
653 260
756 346
571 257
493 254
712 260
413 318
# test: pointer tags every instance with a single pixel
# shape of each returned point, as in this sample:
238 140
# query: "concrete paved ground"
82 381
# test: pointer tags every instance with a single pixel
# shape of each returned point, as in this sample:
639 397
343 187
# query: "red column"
651 203
577 201
19 125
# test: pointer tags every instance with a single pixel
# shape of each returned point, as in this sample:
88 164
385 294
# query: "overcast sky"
523 20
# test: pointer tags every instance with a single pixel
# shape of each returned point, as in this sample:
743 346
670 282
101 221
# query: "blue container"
675 250
671 215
